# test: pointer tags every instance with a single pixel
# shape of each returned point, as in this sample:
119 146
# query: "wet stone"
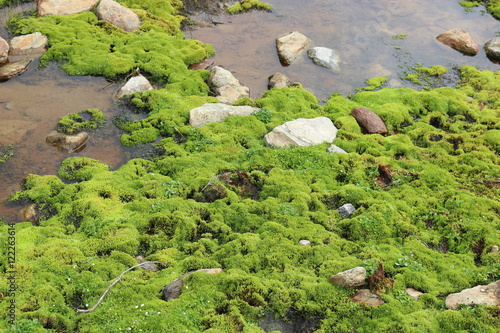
13 69
290 46
278 80
459 40
325 57
492 48
4 50
67 143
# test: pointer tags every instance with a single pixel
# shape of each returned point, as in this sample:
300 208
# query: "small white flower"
146 313
87 305
69 279
136 306
158 312
142 305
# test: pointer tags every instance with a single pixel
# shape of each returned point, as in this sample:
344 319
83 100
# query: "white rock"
217 112
302 132
325 57
135 84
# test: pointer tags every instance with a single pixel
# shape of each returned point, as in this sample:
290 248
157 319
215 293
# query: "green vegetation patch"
85 120
247 5
426 202
6 152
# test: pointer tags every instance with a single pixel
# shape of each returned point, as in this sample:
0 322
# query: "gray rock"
13 69
492 48
278 80
304 242
346 210
414 293
64 7
31 44
325 57
4 50
118 15
217 112
488 295
174 289
350 279
335 149
290 46
225 86
364 296
135 84
148 266
302 132
459 40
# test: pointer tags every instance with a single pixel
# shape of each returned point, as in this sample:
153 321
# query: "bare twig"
115 282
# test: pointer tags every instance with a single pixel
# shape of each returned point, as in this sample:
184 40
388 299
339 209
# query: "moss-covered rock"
85 120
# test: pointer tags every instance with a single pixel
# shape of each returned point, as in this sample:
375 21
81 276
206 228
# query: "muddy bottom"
368 35
30 107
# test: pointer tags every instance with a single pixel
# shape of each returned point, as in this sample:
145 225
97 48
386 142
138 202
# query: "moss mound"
85 120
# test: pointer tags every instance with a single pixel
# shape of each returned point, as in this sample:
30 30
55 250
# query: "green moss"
86 120
246 5
375 83
6 152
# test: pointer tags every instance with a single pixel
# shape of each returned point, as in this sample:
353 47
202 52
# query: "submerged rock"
135 84
174 289
217 112
290 46
492 48
459 40
488 295
350 279
369 121
278 80
4 50
225 86
63 7
13 69
302 132
67 143
325 57
30 44
364 296
118 15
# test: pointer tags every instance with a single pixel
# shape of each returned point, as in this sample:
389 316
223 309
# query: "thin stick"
112 284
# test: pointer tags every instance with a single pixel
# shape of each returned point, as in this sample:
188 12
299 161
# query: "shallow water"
360 31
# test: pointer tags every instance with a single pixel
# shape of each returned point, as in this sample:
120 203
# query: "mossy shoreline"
217 197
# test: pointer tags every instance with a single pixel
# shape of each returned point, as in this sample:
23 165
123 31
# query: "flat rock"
335 149
204 64
31 44
413 293
4 50
278 80
174 289
364 296
369 121
325 57
225 86
289 47
64 7
488 295
134 84
118 15
13 69
302 132
492 48
459 40
350 279
217 112
67 143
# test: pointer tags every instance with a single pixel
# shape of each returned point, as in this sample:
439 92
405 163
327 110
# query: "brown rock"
13 69
369 121
67 143
4 50
364 296
459 40
290 46
64 7
30 44
351 278
414 293
494 249
278 80
489 295
118 15
173 289
204 64
29 213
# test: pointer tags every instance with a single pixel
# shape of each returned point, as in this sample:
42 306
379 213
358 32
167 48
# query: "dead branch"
115 282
